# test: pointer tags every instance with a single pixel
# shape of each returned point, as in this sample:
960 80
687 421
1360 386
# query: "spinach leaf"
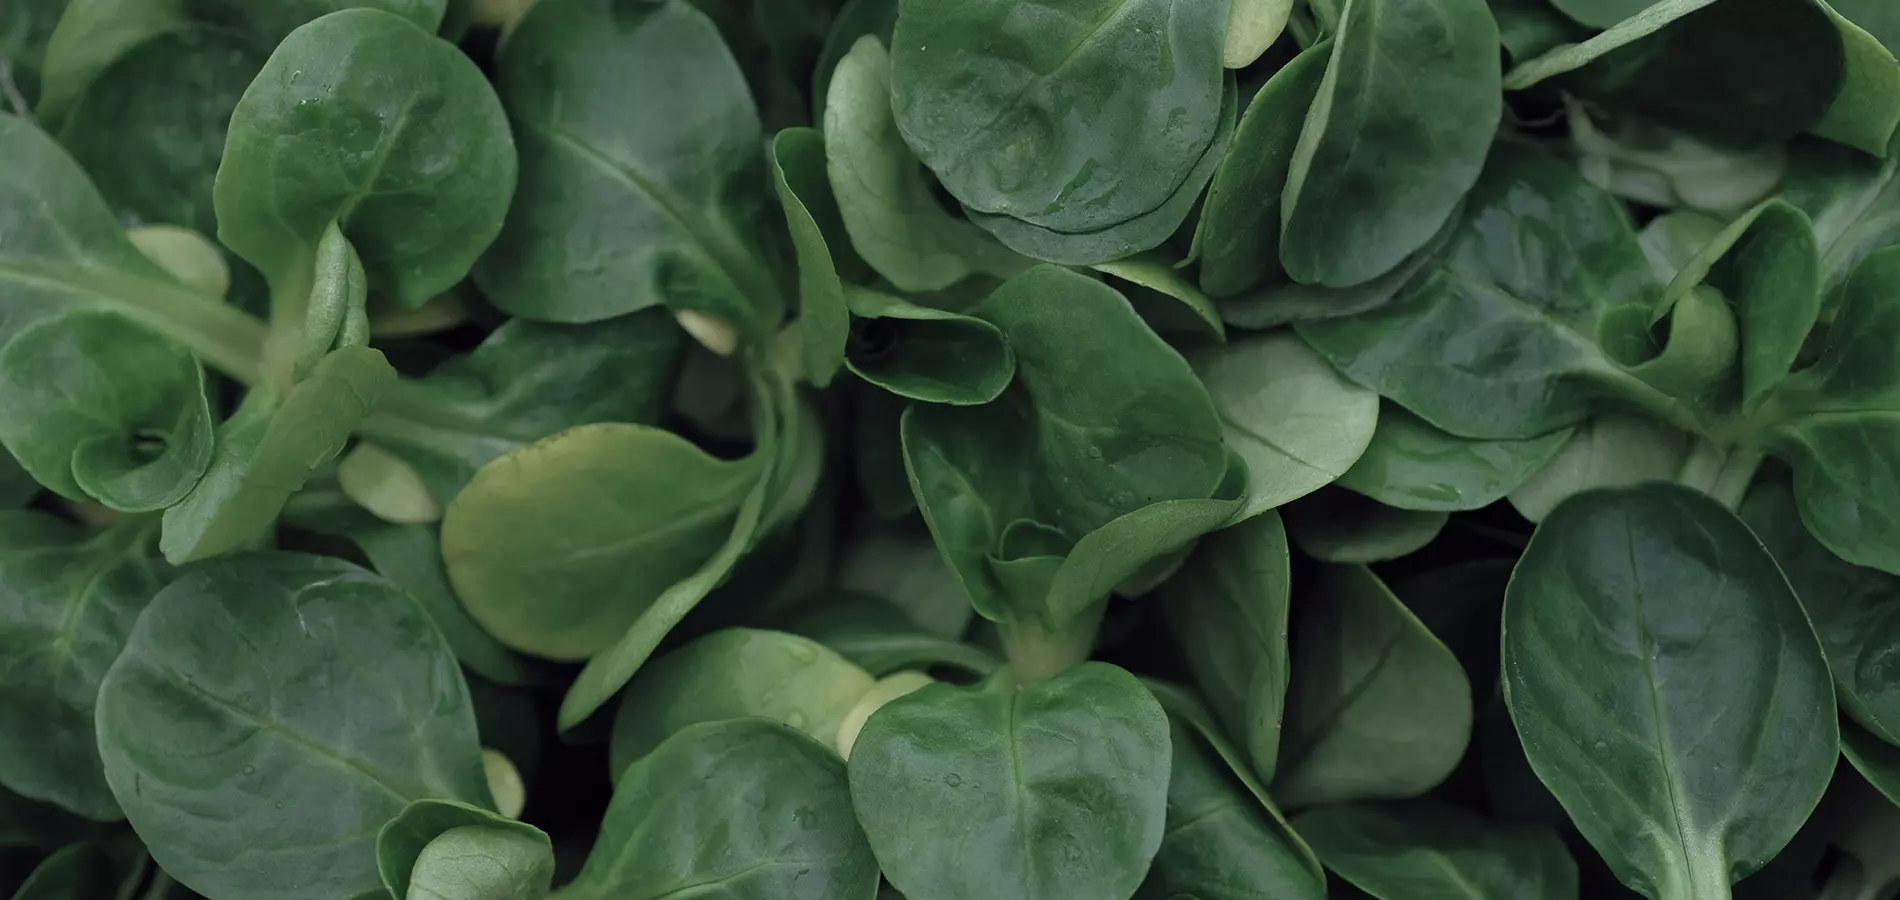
543 534
264 684
884 195
1252 27
811 214
1855 611
64 250
1396 135
1612 450
877 636
1074 117
753 807
735 673
926 354
1220 845
1166 299
366 121
1338 526
97 407
1289 415
1687 739
1060 786
1227 609
90 36
1377 708
68 598
1494 341
527 381
670 193
1238 235
268 449
441 848
1429 851
1411 465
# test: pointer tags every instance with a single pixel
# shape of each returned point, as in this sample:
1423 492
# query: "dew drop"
796 720
1095 453
953 780
250 770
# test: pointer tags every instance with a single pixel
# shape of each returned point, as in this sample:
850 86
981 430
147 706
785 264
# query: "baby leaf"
1377 707
1042 115
1427 851
363 119
1411 465
1252 27
454 851
623 205
68 599
736 673
877 636
1060 787
1667 687
608 512
97 407
1338 526
1423 76
1227 608
289 705
926 354
1612 450
749 805
884 195
798 172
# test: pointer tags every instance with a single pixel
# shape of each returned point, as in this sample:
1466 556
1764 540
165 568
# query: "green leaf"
1428 851
1252 27
1653 164
609 512
268 449
1377 707
65 250
1853 201
75 871
288 705
151 128
363 119
1338 526
444 850
1532 277
798 174
1289 415
672 192
1767 266
877 636
750 808
1060 787
884 194
1273 305
1880 19
1864 113
1672 240
527 381
1667 687
1612 450
1239 230
926 354
1143 232
1227 609
97 407
1221 844
1876 760
1426 71
1411 465
1855 611
736 673
900 565
1074 120
68 598
1529 28
1155 274
1781 65
90 36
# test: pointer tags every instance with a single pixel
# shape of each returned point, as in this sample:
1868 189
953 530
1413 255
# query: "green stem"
1703 466
1738 472
1037 651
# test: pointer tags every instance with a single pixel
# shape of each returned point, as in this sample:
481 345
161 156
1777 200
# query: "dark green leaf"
1338 526
798 172
286 705
68 598
1667 687
96 406
879 637
363 119
926 354
1428 851
1059 787
624 205
444 850
749 808
1395 137
1377 707
1412 465
736 673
